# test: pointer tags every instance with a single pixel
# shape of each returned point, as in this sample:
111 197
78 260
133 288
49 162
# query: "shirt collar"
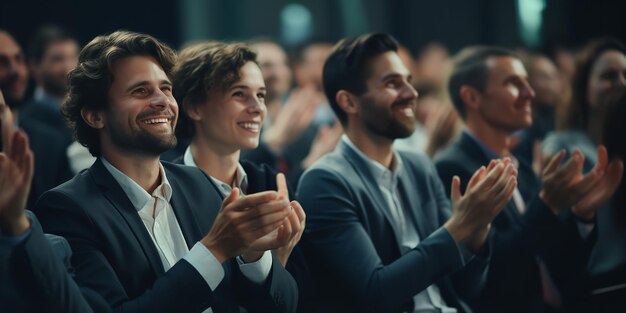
241 178
384 176
41 96
137 195
490 154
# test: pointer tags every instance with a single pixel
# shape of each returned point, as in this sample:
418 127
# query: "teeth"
156 120
251 126
408 112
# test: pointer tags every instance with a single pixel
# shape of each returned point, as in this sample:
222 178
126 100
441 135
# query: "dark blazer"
51 164
262 178
517 239
35 277
115 256
48 114
352 250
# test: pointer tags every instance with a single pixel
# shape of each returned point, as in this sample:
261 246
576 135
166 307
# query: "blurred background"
544 25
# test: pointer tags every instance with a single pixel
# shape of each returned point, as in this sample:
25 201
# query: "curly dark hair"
89 82
203 67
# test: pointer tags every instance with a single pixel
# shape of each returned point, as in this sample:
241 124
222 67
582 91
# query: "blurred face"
231 119
545 79
58 60
506 102
13 71
142 111
275 68
387 109
313 64
608 72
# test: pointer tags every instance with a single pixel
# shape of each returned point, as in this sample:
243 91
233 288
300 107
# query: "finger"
567 173
603 160
504 196
501 183
299 211
491 177
603 191
232 197
554 162
262 234
17 148
455 190
281 184
252 200
259 211
7 129
478 176
492 164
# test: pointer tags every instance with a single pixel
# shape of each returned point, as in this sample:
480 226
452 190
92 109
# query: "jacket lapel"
472 148
185 214
361 168
118 199
413 203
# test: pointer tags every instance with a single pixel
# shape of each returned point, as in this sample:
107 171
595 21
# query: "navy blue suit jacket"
115 256
513 283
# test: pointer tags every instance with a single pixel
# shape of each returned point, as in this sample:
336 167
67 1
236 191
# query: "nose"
160 100
256 106
408 92
527 91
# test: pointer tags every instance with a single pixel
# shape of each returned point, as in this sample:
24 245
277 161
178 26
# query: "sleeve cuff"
258 271
206 264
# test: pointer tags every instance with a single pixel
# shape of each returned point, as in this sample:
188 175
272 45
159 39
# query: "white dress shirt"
158 216
255 271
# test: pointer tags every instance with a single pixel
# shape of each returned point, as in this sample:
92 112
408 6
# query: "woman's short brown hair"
204 67
89 82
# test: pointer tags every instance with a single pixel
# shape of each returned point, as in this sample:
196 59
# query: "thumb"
281 184
234 195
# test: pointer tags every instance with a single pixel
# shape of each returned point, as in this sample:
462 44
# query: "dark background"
454 23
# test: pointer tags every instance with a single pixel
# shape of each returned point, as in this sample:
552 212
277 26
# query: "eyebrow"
145 82
389 75
245 87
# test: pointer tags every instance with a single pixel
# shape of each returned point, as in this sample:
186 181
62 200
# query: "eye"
140 91
166 89
238 94
261 95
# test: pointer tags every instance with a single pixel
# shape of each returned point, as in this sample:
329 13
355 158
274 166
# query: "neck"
375 147
218 163
497 140
142 169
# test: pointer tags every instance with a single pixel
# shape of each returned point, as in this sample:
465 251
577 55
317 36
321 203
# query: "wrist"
252 256
215 250
15 226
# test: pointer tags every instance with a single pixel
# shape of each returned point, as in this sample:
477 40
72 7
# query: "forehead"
250 73
610 59
62 45
386 63
502 67
133 69
8 46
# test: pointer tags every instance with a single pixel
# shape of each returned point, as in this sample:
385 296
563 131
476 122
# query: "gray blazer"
352 249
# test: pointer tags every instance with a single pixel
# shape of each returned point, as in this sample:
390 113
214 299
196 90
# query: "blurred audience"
48 144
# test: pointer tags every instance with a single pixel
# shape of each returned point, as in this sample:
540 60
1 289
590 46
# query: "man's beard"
380 122
143 142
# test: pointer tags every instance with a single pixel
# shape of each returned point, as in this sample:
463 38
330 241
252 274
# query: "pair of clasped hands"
249 225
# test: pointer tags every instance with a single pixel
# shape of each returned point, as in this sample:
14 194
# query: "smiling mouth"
249 126
160 120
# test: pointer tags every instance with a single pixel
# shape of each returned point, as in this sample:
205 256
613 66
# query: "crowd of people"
347 177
